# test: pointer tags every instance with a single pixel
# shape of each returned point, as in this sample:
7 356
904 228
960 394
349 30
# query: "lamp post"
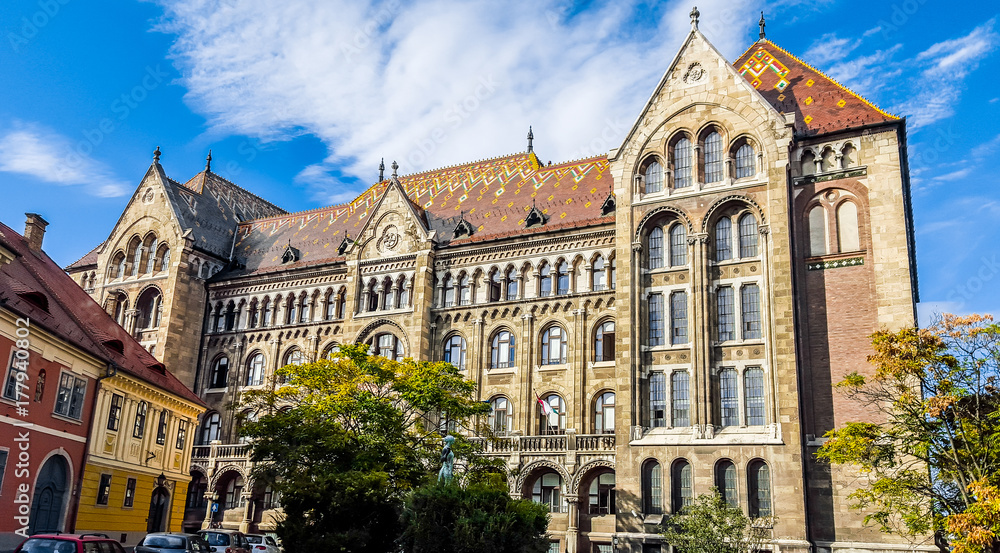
614 543
161 481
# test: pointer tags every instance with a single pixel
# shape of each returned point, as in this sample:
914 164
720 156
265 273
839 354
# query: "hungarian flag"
547 409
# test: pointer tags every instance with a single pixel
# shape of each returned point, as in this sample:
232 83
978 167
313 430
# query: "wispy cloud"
29 149
429 82
830 47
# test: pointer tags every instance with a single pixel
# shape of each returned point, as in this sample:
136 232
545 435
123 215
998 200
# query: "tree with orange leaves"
933 463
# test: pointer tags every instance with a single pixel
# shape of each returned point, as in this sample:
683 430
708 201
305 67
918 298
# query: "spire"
208 162
394 167
381 170
156 155
695 14
761 24
531 137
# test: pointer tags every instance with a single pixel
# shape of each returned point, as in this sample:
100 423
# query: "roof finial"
761 24
394 167
156 155
381 170
695 14
208 162
531 137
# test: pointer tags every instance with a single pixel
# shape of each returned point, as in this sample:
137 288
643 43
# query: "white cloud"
867 74
986 148
830 47
955 175
431 83
32 150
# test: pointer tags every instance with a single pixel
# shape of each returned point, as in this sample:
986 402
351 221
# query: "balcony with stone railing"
569 449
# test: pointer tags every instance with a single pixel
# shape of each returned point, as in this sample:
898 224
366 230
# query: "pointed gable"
820 104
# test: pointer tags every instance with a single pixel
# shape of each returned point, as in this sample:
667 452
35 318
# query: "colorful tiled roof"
71 314
493 196
820 104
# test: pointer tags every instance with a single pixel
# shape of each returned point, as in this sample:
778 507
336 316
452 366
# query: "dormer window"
290 255
535 218
463 229
37 299
608 207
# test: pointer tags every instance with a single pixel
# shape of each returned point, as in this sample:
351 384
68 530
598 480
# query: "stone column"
524 361
130 316
572 532
246 496
313 348
588 269
210 496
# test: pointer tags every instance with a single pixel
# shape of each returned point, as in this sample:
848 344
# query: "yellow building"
137 472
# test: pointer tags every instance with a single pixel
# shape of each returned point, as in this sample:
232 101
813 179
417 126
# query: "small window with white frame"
71 395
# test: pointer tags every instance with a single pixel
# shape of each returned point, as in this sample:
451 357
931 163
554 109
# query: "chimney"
34 231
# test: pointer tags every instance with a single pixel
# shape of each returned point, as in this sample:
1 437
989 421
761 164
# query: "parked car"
226 541
69 543
167 542
262 543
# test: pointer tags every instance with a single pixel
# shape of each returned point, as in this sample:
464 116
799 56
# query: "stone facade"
760 213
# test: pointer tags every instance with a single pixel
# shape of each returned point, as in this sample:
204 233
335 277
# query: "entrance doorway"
49 499
158 511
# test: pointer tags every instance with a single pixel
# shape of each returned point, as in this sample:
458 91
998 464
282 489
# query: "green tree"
481 518
711 525
343 441
936 393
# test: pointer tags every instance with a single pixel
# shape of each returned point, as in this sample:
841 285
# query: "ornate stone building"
681 305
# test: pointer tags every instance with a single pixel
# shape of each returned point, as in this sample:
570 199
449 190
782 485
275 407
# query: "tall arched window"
547 490
652 488
602 494
151 257
150 308
464 290
848 235
599 274
817 231
655 245
294 356
748 235
292 308
551 415
678 245
220 373
454 351
165 259
613 273
553 345
562 278
604 413
499 415
387 345
118 262
255 370
495 286
545 280
713 158
604 342
136 258
759 489
512 281
745 161
725 481
682 163
808 163
449 291
139 429
723 239
654 177
209 429
682 487
502 350
266 309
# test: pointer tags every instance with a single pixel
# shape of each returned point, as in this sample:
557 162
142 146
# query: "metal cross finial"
381 170
761 24
394 167
695 14
208 161
156 155
531 137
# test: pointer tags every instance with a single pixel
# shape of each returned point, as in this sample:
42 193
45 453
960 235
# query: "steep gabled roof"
71 314
820 104
87 261
492 195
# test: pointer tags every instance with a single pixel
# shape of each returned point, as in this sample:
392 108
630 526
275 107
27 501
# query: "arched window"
817 231
246 417
454 351
121 306
150 308
209 429
220 373
808 162
136 258
604 413
748 235
602 494
499 415
449 291
255 370
829 160
745 161
495 285
553 345
604 342
655 245
753 392
713 158
512 281
652 488
653 177
848 157
294 356
728 398
682 163
464 290
502 350
387 345
680 399
161 428
723 239
848 236
682 488
305 309
139 428
292 308
547 490
562 280
165 259
230 316
600 276
151 256
373 296
331 351
551 415
725 481
759 489
613 273
678 245
402 293
266 309
545 280
118 262
253 314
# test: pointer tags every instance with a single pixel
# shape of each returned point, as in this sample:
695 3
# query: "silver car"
262 543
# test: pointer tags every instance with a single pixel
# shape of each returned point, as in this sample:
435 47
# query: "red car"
69 543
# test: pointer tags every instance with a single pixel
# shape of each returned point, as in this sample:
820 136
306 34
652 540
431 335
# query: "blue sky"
299 100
